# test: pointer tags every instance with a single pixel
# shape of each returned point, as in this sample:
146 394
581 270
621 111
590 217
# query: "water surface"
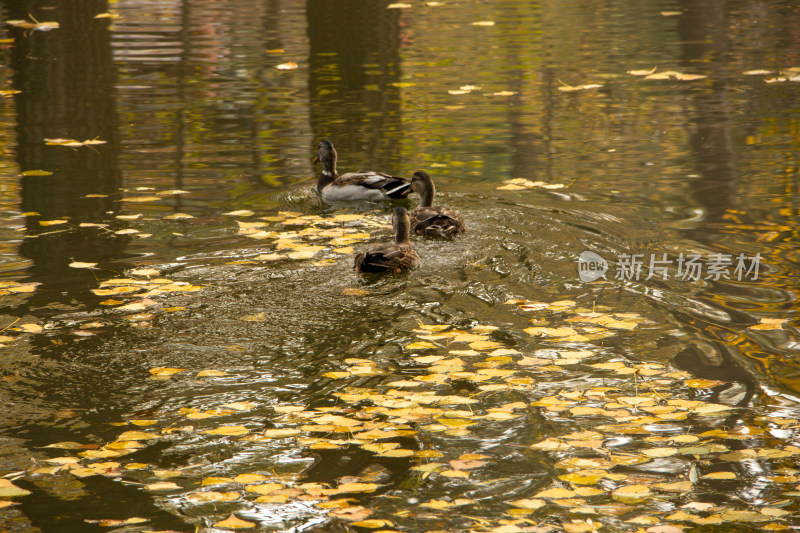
660 132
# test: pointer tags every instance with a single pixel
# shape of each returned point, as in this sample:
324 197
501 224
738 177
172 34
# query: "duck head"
326 154
422 184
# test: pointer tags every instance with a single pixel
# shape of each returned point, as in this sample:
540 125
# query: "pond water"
187 348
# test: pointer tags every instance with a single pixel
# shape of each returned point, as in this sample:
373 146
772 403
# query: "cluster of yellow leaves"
585 324
643 402
791 74
143 288
518 184
334 235
643 419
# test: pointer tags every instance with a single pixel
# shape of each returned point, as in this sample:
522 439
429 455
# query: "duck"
355 186
432 220
393 257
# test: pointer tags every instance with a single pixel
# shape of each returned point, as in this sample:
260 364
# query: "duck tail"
397 189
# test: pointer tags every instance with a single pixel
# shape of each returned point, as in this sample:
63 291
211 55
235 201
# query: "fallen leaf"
234 523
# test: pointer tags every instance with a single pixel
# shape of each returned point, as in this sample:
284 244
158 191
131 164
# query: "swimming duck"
361 185
432 220
397 256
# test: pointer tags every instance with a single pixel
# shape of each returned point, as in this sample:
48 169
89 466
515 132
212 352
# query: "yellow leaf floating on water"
55 222
660 452
344 488
422 345
210 373
454 473
483 23
264 488
678 486
216 481
530 503
289 65
162 485
373 523
632 491
484 345
137 435
573 88
642 72
214 496
337 374
162 371
79 264
556 493
719 475
241 406
228 431
703 383
234 523
354 291
108 522
239 213
770 324
9 490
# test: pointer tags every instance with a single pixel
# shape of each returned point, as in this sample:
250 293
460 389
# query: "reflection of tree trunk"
353 65
66 81
703 29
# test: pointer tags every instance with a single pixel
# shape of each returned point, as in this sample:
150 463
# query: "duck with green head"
355 186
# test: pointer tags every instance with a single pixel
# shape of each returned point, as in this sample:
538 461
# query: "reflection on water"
549 141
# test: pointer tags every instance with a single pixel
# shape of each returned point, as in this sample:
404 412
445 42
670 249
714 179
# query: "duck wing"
388 186
387 257
436 221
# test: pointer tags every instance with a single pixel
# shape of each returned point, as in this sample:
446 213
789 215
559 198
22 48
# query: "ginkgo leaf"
137 435
230 431
213 496
632 491
162 485
719 475
165 371
9 490
250 478
421 345
234 523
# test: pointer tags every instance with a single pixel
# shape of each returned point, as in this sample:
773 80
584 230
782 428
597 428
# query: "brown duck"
432 220
397 256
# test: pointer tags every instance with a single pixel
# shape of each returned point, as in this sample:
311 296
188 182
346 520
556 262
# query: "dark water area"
185 344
